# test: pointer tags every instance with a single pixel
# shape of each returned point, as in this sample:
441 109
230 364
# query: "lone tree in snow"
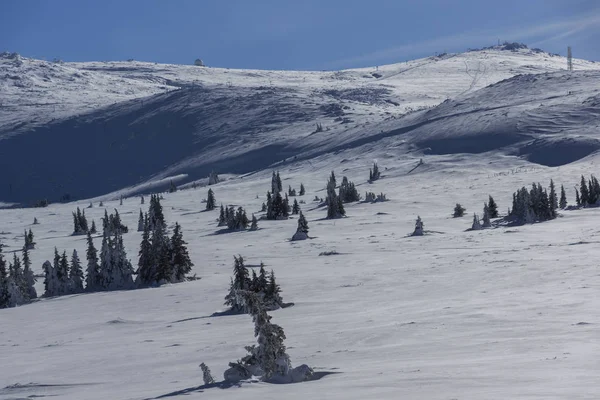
210 200
206 375
302 230
254 223
140 227
459 211
419 227
302 190
486 216
295 207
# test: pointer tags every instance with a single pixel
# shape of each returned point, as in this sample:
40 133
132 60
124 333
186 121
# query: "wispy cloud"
536 35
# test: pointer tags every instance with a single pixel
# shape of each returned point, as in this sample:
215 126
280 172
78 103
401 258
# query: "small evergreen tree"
295 207
476 224
553 198
585 197
4 293
302 229
93 228
348 192
213 178
291 192
172 187
210 200
92 279
272 298
28 283
76 274
419 227
181 264
35 221
62 274
142 201
254 224
492 208
374 173
206 375
302 190
486 216
222 216
459 211
577 198
140 226
563 198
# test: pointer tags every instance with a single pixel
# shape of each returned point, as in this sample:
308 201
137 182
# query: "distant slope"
91 128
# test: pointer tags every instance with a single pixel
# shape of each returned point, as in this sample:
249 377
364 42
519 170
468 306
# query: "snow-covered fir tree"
335 206
213 178
28 283
206 375
584 192
112 225
142 200
577 198
239 283
254 223
476 226
291 192
553 198
140 226
563 198
302 229
93 279
486 216
211 202
93 228
295 207
492 208
4 294
155 213
302 190
459 211
172 187
29 242
62 273
222 217
276 207
374 173
419 227
75 274
121 200
181 264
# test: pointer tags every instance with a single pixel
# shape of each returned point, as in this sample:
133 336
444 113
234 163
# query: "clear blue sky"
285 34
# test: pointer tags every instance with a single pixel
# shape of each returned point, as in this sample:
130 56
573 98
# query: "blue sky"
285 34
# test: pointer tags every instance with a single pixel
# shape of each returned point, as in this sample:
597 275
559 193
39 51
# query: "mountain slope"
144 121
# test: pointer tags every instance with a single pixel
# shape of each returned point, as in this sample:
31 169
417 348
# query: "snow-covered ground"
504 313
176 119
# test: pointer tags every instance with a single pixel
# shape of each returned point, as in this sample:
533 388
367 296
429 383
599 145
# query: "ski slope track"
189 120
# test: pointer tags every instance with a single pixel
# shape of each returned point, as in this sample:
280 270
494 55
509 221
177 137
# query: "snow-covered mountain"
144 121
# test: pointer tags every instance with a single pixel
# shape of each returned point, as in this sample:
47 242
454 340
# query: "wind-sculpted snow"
97 127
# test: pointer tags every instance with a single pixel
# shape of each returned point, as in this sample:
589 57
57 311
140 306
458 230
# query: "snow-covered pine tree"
563 198
4 294
121 200
584 192
140 226
419 227
272 298
76 274
291 192
29 241
302 229
335 207
486 216
254 224
62 274
210 200
476 226
91 205
302 190
263 280
279 185
161 256
492 208
263 208
270 355
92 279
35 221
142 201
121 266
594 191
146 272
295 207
222 217
459 211
239 283
93 228
28 277
206 375
577 198
101 204
286 207
181 264
553 198
213 178
274 186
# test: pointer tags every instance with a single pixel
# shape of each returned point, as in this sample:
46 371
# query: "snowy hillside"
190 120
500 314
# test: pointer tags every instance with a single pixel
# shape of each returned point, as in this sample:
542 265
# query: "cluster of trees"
17 282
371 197
534 205
292 192
277 207
276 185
213 178
588 193
236 220
374 173
80 224
347 191
263 285
62 278
161 259
112 223
29 242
